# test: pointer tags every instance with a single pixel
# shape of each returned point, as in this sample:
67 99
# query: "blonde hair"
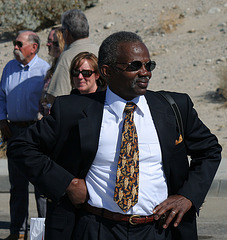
61 42
60 38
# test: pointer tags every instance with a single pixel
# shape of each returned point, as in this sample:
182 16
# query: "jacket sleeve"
31 153
204 155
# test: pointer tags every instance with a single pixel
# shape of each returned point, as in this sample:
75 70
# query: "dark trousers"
19 196
92 227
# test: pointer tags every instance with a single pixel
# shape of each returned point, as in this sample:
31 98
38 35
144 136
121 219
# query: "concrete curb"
217 189
5 185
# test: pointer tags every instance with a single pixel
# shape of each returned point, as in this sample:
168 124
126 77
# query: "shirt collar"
117 104
34 59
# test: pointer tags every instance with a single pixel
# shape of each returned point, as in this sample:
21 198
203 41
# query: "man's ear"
106 71
34 47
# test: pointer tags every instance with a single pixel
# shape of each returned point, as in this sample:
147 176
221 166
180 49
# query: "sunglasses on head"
85 73
17 43
136 65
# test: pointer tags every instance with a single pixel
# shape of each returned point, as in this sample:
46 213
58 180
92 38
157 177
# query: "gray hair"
32 38
76 22
108 51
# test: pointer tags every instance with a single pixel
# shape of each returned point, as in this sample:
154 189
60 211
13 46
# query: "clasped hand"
77 191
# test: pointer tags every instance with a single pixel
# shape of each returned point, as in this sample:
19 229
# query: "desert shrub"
34 15
168 21
2 148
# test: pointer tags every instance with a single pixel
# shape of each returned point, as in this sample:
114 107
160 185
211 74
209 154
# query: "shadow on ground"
4 225
205 237
7 36
215 96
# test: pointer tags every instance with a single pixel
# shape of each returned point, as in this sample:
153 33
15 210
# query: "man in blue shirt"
20 90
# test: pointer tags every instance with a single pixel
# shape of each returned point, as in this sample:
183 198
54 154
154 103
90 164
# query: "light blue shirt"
20 89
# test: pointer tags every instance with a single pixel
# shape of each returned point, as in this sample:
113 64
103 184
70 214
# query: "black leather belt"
132 219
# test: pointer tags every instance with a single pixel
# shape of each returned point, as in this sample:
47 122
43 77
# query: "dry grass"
3 151
2 148
169 19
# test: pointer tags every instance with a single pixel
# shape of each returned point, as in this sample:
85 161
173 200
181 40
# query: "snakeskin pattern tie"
127 179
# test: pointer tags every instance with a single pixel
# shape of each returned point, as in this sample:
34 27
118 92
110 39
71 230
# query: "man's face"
130 84
49 44
24 50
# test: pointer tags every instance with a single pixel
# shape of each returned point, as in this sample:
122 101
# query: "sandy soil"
187 39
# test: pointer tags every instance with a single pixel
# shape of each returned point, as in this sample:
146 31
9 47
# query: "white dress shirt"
101 177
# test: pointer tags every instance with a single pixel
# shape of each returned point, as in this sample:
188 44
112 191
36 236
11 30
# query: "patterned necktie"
127 179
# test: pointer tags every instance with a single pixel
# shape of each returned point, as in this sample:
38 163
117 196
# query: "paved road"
212 222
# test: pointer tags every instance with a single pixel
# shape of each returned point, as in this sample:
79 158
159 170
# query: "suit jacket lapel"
89 130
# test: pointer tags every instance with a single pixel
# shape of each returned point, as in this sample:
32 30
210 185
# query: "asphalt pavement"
212 222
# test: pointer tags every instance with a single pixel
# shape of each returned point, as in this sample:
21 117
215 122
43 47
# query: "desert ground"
187 39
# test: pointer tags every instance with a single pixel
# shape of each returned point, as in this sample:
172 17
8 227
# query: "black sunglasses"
17 43
136 65
55 43
85 73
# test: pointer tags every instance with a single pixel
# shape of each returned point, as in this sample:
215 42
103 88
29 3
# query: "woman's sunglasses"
136 65
85 73
17 43
55 43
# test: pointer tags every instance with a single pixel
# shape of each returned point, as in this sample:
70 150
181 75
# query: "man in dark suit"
72 156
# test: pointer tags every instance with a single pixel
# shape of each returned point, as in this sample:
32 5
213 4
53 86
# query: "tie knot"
129 107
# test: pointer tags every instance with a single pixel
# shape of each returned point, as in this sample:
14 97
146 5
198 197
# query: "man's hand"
77 191
5 130
177 205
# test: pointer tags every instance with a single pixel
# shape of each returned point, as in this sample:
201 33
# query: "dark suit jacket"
63 146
